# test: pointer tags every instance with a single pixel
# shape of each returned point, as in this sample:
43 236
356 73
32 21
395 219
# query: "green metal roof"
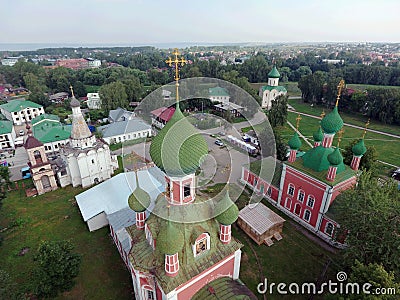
49 117
5 127
295 142
335 158
359 148
224 288
318 135
218 91
332 122
317 159
170 239
270 88
17 105
50 131
178 149
139 200
274 73
230 211
265 167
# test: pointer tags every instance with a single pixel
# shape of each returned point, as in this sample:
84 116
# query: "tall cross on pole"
339 91
365 128
72 91
341 131
298 122
177 61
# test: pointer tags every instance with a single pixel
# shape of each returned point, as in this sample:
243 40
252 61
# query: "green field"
56 216
363 87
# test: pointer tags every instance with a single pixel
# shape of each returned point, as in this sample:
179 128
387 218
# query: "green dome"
359 148
318 135
230 213
179 148
169 240
139 200
294 142
335 158
274 73
332 122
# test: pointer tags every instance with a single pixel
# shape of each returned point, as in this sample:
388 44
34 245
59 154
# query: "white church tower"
272 90
87 159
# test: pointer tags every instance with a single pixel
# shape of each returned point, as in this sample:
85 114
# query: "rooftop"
18 105
5 127
124 127
259 217
164 113
218 91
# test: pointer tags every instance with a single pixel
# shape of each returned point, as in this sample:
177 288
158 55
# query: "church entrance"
45 181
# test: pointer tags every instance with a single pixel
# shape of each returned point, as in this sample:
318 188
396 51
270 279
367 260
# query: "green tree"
371 214
281 148
8 288
4 181
133 88
377 276
277 115
368 160
113 95
57 267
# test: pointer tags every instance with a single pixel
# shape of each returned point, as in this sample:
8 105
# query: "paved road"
18 161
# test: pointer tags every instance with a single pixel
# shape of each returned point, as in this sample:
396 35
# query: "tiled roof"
164 113
18 105
32 142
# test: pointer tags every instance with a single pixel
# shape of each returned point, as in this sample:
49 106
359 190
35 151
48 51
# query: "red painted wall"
225 269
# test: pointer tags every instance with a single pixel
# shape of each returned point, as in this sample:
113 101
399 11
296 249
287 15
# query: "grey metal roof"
112 195
259 217
115 114
122 218
123 127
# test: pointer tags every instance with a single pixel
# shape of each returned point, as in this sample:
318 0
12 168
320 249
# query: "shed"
261 223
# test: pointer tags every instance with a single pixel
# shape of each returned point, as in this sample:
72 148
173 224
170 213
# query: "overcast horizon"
140 22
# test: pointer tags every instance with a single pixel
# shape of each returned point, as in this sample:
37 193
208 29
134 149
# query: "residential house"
93 101
160 116
7 135
219 94
120 114
20 111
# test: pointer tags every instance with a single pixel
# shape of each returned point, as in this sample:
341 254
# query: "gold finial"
365 128
176 62
341 132
72 91
339 92
323 114
298 122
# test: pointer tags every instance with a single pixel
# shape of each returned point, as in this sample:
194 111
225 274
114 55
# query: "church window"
36 154
307 215
300 196
168 190
186 190
269 192
311 201
297 209
290 189
149 236
92 161
329 229
202 244
148 294
288 203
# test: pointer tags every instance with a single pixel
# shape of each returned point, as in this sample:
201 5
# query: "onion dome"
318 135
231 212
294 142
139 200
274 73
359 148
335 158
74 102
332 122
169 240
178 149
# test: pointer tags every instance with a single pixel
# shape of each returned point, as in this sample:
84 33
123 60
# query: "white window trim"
308 199
288 189
304 215
298 195
326 227
207 245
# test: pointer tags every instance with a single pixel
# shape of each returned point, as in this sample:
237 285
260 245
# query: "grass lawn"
55 216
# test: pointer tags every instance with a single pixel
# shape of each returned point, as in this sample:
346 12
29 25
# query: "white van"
19 141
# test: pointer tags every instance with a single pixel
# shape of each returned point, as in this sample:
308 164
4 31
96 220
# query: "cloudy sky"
204 21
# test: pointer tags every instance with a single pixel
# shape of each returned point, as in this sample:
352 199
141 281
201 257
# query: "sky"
149 22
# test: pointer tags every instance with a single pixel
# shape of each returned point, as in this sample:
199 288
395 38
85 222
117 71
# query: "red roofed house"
160 116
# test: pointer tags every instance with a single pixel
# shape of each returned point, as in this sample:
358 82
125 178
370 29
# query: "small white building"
7 135
272 90
20 111
10 61
93 63
123 131
93 101
219 94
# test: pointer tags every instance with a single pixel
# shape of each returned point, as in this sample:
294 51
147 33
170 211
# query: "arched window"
329 228
297 209
307 215
310 201
36 154
149 236
288 203
290 189
300 196
269 191
148 293
202 244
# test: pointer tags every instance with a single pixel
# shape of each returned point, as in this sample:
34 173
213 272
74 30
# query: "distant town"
205 172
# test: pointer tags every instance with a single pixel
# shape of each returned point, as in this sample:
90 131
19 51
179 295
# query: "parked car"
219 143
21 132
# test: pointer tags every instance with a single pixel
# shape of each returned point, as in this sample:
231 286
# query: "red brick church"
305 186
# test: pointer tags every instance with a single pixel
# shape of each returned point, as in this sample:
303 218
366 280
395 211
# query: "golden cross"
339 92
341 132
322 114
176 62
298 122
72 91
365 128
